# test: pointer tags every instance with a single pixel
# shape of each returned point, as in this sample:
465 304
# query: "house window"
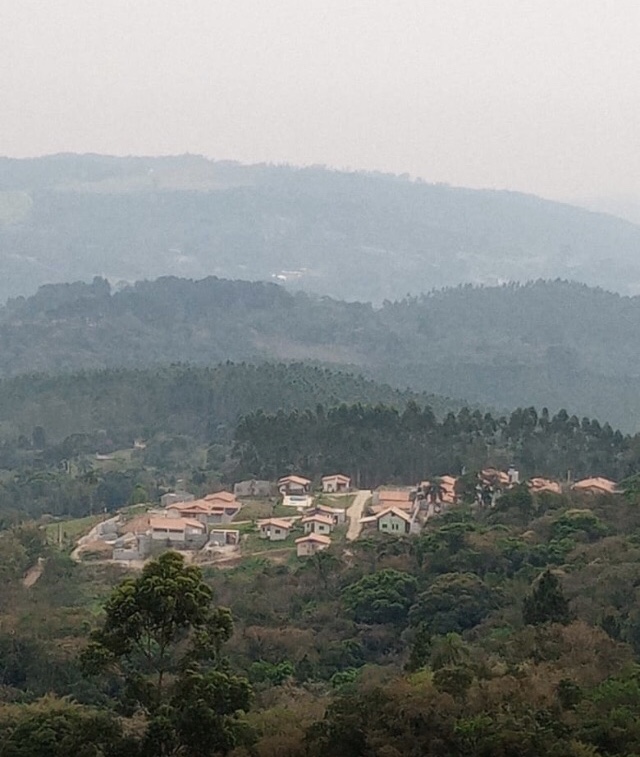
384 524
277 531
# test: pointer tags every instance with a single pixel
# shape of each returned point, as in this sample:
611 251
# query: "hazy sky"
538 95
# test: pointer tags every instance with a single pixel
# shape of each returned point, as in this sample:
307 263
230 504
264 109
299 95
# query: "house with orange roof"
206 511
539 485
195 510
337 514
336 483
317 524
176 530
221 497
294 485
494 476
596 485
393 520
385 498
446 490
274 529
309 545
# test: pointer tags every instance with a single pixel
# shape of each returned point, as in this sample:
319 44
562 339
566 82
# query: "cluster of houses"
184 522
405 510
318 521
299 485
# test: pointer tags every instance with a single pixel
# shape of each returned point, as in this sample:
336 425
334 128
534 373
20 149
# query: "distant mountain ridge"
356 236
553 344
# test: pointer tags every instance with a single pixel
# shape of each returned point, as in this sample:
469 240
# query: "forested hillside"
351 235
183 417
204 403
509 630
381 444
552 344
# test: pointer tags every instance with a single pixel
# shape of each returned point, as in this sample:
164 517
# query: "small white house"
336 483
274 529
390 521
317 524
294 485
309 545
337 514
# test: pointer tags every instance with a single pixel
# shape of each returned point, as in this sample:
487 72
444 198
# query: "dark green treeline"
378 444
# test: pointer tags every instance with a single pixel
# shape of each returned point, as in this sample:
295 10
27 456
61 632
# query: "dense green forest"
187 417
379 444
51 429
203 402
508 630
551 344
351 235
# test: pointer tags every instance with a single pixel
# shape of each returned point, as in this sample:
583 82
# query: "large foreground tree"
162 638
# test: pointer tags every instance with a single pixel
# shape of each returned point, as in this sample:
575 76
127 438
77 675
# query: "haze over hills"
355 236
553 344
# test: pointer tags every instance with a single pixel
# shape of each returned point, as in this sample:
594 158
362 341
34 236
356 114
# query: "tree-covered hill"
380 445
507 630
202 403
351 235
549 344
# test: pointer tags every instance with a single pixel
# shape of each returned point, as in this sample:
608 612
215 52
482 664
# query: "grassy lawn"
342 502
255 509
244 528
71 530
252 543
119 460
286 512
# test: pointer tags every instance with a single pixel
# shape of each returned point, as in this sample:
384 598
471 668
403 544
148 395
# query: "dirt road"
354 513
94 535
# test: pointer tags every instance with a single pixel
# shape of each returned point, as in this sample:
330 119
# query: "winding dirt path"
354 513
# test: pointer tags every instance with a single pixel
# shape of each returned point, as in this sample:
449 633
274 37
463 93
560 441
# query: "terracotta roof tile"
319 538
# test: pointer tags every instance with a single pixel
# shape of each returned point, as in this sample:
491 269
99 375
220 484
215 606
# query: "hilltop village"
298 514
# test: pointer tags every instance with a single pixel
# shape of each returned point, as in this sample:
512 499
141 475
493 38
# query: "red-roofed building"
596 485
336 483
386 498
274 529
294 485
178 530
317 524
